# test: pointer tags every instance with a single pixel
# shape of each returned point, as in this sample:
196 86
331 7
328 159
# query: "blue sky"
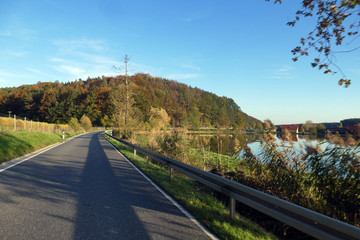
238 49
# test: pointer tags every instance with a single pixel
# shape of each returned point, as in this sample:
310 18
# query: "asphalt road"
84 189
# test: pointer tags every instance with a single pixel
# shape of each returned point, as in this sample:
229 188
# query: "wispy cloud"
196 16
282 72
16 54
6 34
83 67
72 70
23 33
95 58
190 66
34 70
5 73
67 46
181 76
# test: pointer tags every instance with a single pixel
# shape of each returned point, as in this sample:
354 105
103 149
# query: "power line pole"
126 59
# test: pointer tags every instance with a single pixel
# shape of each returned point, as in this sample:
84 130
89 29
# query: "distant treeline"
56 102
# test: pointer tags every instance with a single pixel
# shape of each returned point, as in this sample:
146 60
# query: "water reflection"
233 144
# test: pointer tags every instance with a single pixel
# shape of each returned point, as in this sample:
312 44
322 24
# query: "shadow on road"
104 210
84 189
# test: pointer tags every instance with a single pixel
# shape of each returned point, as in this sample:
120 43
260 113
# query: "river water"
234 144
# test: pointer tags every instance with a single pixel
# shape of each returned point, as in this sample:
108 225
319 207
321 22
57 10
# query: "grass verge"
198 200
19 143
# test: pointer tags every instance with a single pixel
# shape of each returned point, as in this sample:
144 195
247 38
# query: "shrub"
74 124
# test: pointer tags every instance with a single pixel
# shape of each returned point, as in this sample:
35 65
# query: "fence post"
31 125
147 159
232 206
171 173
14 122
25 124
134 152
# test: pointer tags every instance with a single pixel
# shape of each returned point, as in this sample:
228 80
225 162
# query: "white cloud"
181 76
34 70
23 33
17 54
71 46
98 59
190 66
72 70
283 72
5 73
6 34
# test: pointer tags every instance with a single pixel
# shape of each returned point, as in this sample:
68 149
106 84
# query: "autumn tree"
85 122
106 121
159 118
193 117
321 129
336 20
74 124
308 124
268 125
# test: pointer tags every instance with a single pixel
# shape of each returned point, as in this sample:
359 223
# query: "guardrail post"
171 173
134 152
232 206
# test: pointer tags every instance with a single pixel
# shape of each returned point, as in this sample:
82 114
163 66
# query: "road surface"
84 189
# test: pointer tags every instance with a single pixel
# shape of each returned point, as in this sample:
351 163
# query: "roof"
290 127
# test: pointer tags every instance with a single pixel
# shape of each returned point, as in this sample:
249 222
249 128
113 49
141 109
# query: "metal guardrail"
303 219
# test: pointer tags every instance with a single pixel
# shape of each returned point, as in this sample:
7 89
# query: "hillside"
186 106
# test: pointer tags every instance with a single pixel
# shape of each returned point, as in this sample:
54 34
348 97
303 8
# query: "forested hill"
186 106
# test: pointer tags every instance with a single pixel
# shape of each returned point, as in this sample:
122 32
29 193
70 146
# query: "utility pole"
126 59
125 94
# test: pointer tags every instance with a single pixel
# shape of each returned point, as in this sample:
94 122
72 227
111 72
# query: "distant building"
351 129
291 128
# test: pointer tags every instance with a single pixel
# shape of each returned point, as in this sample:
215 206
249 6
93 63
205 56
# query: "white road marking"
191 217
37 154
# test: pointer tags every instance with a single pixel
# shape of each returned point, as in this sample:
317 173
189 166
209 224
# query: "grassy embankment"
16 144
198 200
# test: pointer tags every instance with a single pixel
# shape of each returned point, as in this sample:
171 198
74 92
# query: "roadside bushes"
335 176
325 181
84 123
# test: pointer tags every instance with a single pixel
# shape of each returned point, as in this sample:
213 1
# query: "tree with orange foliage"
336 20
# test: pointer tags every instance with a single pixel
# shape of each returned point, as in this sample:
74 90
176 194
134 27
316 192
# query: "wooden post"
147 159
134 152
232 206
14 122
171 173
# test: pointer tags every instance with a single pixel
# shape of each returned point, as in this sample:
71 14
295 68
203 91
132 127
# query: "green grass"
198 200
19 143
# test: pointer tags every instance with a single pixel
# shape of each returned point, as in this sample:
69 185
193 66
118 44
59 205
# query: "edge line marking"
173 201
